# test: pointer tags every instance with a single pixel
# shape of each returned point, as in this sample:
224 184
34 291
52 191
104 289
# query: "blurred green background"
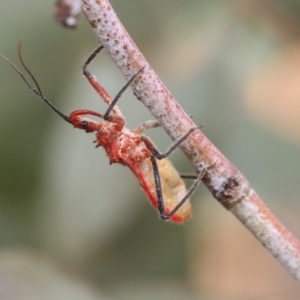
74 227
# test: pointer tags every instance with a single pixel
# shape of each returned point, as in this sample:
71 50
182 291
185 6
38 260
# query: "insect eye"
84 124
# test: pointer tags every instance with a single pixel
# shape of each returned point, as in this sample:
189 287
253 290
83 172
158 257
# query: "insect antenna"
36 89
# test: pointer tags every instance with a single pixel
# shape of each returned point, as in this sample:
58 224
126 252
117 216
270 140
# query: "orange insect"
158 178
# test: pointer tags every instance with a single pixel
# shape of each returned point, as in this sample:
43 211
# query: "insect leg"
95 84
118 96
101 90
159 193
188 176
192 176
154 124
188 194
147 125
152 148
91 58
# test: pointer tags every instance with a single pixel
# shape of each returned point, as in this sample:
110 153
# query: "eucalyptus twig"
225 182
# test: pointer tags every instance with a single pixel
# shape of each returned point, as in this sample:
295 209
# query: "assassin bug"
158 178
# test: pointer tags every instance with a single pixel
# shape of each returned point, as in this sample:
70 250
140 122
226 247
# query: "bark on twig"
225 182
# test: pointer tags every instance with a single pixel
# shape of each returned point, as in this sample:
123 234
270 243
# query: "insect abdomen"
173 188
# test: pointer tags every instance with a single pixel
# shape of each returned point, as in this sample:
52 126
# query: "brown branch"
224 181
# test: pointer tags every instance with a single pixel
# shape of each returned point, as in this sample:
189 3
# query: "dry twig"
224 181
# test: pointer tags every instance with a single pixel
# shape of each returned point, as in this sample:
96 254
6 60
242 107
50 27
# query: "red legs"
101 90
147 125
95 84
118 119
